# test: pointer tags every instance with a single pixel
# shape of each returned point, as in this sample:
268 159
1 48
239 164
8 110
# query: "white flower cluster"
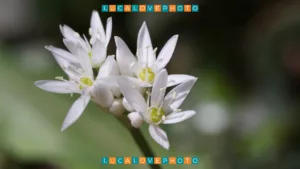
127 83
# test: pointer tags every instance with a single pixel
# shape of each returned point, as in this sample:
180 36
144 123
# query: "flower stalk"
139 139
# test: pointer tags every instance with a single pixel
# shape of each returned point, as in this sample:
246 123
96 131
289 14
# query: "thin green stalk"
139 140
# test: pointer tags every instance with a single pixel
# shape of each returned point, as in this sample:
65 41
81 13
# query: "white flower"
97 47
82 81
146 66
159 109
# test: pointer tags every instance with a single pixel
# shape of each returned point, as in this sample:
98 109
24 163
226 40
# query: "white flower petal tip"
144 25
135 119
159 136
97 30
124 56
56 86
144 40
179 117
75 111
176 79
62 54
65 126
166 52
178 94
118 40
108 30
95 19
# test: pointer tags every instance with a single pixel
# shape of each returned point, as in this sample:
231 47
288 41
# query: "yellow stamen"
90 54
156 115
85 81
147 75
59 78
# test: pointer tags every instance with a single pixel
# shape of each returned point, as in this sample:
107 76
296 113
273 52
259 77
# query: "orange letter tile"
127 160
142 8
142 160
112 8
157 8
112 160
172 160
187 160
187 8
157 160
172 8
127 8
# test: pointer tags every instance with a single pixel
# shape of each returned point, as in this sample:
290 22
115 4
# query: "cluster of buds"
121 83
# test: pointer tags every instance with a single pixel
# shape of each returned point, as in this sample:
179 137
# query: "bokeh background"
245 53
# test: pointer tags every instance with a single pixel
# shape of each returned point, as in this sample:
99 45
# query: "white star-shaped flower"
158 109
81 80
96 48
144 68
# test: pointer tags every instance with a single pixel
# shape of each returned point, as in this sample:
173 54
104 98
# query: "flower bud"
117 107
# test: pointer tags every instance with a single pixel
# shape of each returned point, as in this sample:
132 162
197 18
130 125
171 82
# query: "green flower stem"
139 140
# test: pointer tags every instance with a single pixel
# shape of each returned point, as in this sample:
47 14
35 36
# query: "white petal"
97 27
71 45
63 63
66 64
125 58
109 68
176 79
178 117
134 98
86 44
159 136
68 68
177 95
75 111
159 88
137 83
137 68
98 54
116 91
127 106
111 81
117 107
69 33
144 46
136 119
56 86
63 54
108 30
166 53
85 62
102 95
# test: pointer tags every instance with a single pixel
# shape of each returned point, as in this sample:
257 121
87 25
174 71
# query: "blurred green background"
245 53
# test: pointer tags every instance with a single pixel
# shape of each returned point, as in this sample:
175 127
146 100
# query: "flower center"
85 82
147 75
156 114
90 54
